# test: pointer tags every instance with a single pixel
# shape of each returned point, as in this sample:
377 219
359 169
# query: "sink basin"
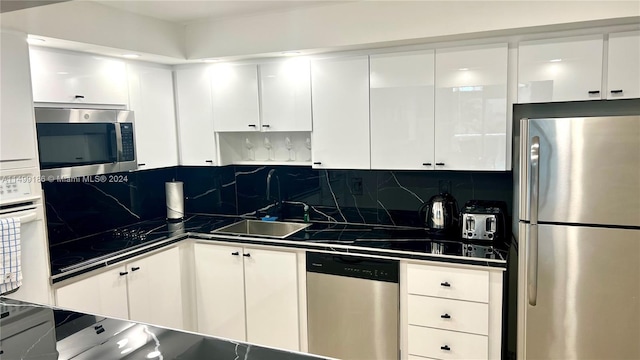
271 229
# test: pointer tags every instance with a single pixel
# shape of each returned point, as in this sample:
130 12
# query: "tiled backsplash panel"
76 209
209 190
356 196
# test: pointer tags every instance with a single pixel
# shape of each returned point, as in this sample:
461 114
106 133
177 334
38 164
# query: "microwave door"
77 149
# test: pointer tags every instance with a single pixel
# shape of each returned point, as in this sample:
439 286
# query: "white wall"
371 22
340 26
91 23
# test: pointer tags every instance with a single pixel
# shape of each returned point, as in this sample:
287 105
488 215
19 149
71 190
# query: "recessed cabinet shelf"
266 148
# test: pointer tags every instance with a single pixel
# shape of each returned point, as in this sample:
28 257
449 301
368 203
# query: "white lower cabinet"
247 294
146 290
450 312
101 294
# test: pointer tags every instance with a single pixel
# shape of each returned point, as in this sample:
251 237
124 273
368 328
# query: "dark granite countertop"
44 332
78 256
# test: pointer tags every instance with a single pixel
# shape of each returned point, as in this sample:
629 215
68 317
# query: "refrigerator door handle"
532 241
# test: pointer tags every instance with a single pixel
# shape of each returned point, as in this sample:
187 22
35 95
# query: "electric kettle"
440 214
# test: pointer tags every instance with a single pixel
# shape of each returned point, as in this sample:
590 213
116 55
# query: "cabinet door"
235 97
101 294
155 289
624 65
471 108
195 117
340 93
567 69
402 110
63 76
17 128
151 98
219 283
271 291
286 95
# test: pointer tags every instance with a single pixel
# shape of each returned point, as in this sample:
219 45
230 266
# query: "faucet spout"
279 199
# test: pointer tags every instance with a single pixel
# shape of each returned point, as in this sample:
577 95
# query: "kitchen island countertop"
45 332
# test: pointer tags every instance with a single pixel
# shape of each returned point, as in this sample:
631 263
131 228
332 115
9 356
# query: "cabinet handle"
79 96
266 125
97 327
445 316
99 331
426 164
235 253
135 268
209 161
439 164
446 347
1 352
252 125
123 273
317 163
616 91
143 164
594 92
247 255
445 284
4 315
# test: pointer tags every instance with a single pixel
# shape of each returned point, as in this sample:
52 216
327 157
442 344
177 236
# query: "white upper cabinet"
402 110
235 97
286 95
151 99
196 136
340 93
624 65
471 108
17 128
67 77
567 69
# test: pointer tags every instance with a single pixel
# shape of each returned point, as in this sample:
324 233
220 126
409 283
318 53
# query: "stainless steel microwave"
84 142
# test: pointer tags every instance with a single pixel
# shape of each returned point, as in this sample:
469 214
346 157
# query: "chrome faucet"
278 203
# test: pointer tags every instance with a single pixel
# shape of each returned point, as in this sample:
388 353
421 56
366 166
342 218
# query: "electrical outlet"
356 186
444 186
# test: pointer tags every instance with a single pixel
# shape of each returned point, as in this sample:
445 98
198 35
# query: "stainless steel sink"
271 229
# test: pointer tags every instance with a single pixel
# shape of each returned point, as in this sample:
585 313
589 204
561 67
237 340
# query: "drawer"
415 357
471 317
444 344
450 283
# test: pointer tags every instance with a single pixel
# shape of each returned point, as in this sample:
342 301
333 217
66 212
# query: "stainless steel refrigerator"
578 200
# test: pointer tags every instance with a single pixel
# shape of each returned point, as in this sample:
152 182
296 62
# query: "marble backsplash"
76 209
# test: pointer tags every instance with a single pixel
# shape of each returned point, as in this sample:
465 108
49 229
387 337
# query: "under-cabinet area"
270 295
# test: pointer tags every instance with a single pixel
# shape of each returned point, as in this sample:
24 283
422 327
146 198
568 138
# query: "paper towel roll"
175 200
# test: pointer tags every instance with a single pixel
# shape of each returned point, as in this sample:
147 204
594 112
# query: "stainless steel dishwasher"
353 306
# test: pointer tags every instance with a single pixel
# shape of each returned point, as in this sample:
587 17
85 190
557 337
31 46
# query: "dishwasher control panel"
353 266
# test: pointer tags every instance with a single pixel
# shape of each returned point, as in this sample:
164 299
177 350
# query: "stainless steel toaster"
483 220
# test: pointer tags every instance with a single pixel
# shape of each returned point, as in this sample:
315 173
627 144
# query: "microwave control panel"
128 151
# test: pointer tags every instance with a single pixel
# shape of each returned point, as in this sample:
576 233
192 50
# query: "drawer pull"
616 91
235 253
446 347
594 92
135 268
445 284
123 273
445 316
247 254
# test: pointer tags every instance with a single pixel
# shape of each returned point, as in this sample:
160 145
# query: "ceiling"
187 11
